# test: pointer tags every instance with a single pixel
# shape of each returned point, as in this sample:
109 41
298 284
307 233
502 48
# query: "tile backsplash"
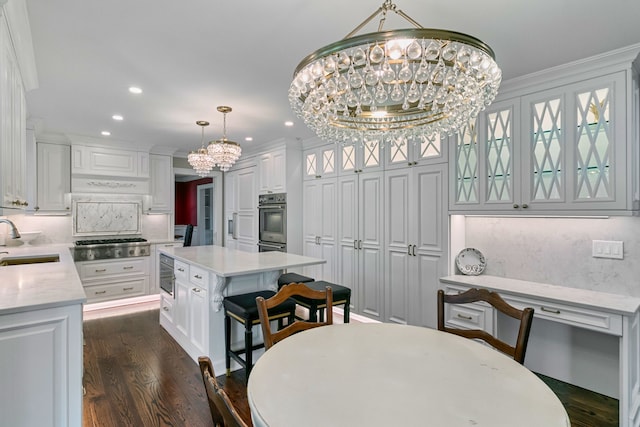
559 250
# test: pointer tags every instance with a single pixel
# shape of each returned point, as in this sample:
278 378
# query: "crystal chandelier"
224 152
199 159
396 85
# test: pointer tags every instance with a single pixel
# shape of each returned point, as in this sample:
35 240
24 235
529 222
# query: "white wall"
558 251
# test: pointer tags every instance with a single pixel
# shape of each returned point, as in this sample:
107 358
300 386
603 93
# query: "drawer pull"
168 246
196 290
462 316
127 267
550 310
100 292
197 276
128 289
102 270
181 270
165 308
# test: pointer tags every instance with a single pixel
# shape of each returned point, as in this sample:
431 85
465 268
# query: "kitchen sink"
32 259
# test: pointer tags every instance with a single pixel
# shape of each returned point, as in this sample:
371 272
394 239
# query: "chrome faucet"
14 233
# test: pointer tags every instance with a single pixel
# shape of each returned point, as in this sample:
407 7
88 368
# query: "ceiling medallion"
396 85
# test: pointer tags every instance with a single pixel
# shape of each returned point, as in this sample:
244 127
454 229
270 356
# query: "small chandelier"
199 159
397 85
224 152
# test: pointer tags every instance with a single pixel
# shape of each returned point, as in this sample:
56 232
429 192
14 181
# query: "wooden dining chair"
223 412
291 291
525 317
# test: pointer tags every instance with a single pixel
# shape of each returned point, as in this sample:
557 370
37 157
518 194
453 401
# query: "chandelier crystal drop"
407 84
223 152
199 159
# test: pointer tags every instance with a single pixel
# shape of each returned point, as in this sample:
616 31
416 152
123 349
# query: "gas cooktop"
110 248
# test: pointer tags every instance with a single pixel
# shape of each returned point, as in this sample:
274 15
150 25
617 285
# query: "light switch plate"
608 249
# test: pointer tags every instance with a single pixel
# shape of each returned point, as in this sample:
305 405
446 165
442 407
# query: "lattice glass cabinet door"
466 181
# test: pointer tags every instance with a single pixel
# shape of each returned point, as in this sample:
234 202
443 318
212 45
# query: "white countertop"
37 286
227 262
614 303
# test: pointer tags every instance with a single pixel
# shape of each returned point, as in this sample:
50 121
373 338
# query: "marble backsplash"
558 250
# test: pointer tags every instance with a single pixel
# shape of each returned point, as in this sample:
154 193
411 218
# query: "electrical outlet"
607 249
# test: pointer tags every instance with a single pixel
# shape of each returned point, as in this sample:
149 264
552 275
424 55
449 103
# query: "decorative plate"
471 262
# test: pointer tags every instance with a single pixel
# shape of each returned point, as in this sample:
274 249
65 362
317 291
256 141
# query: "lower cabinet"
186 314
111 279
41 369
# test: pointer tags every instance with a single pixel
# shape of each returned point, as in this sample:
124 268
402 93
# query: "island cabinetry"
188 313
41 369
113 279
561 144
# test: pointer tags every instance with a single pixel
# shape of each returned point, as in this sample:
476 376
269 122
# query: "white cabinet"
358 158
400 153
41 369
12 125
272 168
186 315
53 178
562 146
320 227
241 209
114 278
416 243
360 258
161 184
103 161
320 162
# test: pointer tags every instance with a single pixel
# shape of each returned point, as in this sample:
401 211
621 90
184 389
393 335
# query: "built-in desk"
611 314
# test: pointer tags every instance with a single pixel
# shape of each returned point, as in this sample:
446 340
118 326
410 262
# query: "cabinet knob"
516 206
525 206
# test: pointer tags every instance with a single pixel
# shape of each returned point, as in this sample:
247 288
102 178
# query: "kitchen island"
204 275
41 299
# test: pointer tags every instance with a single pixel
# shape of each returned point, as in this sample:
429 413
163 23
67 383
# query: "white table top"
378 374
227 262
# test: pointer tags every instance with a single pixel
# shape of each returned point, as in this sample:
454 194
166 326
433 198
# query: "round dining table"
380 374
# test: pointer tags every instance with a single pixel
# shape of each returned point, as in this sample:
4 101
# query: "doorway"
206 215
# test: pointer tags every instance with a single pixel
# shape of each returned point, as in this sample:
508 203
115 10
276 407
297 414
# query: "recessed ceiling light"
136 90
117 117
288 123
248 138
105 133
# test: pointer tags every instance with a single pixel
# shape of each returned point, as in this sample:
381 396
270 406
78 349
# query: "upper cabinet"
401 153
12 124
272 172
53 179
359 158
102 161
319 162
161 184
553 148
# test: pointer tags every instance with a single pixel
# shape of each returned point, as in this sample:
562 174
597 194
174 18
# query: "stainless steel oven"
272 220
167 277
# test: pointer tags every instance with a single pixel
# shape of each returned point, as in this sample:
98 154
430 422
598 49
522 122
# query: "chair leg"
227 343
347 310
248 352
313 313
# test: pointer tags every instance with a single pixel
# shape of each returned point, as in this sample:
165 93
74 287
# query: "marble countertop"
614 303
37 286
227 262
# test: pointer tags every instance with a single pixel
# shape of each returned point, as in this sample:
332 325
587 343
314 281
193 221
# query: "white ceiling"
189 56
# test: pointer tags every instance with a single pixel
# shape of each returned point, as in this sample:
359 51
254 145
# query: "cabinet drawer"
181 271
469 316
199 276
581 317
121 289
92 270
166 307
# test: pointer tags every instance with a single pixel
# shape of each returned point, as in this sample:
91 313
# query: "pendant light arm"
387 5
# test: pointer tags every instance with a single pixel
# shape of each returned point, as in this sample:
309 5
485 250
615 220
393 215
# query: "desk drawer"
181 271
581 317
199 276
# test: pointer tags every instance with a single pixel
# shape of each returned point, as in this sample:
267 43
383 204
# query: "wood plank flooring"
137 375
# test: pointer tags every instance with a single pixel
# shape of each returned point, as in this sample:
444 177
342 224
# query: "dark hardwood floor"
136 375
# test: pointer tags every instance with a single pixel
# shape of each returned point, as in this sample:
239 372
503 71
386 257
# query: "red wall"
187 201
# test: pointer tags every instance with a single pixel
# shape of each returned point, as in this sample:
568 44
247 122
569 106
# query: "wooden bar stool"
243 308
341 296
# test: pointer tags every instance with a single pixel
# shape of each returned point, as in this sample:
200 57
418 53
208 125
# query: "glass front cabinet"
565 149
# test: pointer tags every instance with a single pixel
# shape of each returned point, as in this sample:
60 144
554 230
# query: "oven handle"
271 245
272 206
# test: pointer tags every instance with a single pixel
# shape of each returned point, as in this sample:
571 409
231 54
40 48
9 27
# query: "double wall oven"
272 220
